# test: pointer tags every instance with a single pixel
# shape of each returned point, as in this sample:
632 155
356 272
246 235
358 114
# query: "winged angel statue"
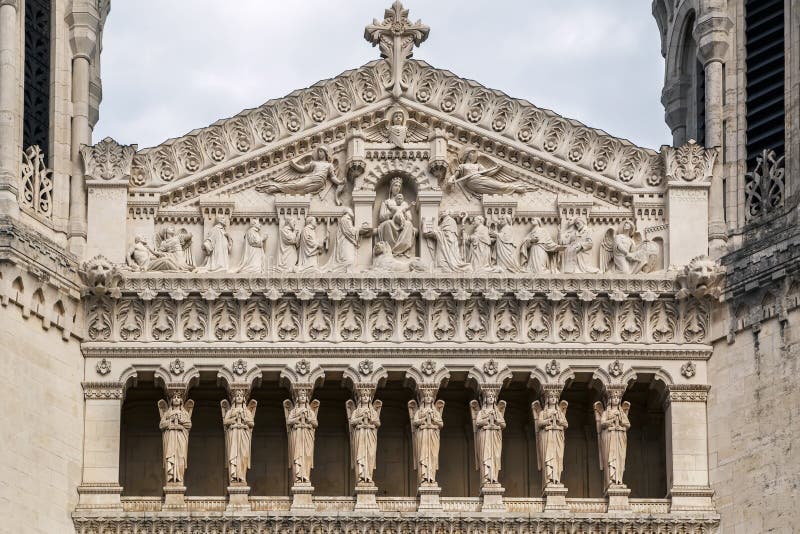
626 252
238 420
612 429
307 175
426 422
397 130
301 425
175 423
478 175
363 422
550 422
488 422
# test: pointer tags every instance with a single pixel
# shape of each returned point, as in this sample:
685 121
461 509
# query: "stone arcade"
395 301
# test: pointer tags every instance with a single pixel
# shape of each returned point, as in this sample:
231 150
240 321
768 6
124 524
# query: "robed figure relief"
238 419
363 421
612 430
479 246
396 225
505 250
307 177
301 425
577 241
448 253
253 257
488 422
217 246
311 246
538 248
288 239
477 177
426 423
550 422
175 423
343 258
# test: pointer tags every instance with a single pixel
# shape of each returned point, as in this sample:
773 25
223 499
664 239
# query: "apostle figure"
396 225
301 424
578 244
426 422
448 256
479 180
363 421
175 423
479 246
311 177
344 257
217 246
505 250
253 256
287 246
238 420
488 422
612 430
550 423
538 248
310 246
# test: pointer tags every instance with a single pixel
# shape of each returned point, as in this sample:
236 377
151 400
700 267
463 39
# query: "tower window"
36 92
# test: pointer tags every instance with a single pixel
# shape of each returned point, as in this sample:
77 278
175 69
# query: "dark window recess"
701 103
36 93
764 37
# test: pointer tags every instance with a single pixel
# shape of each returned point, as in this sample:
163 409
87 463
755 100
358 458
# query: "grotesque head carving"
99 274
701 277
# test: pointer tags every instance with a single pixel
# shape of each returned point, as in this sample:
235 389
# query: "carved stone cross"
396 37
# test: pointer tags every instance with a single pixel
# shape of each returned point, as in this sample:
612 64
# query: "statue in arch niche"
301 425
477 176
238 419
550 422
612 429
395 221
307 175
175 424
488 422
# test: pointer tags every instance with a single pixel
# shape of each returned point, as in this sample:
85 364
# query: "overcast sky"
170 66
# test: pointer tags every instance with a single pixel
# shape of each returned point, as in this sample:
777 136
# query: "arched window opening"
582 475
140 466
332 474
520 475
457 475
645 466
205 472
269 472
394 472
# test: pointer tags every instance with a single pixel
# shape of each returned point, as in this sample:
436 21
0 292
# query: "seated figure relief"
172 253
396 225
627 252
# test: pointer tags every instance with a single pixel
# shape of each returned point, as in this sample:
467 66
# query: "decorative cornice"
688 392
102 390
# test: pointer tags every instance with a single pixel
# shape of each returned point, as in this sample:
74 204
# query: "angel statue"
550 423
578 243
175 423
397 130
363 421
301 424
426 422
173 252
612 429
238 420
488 422
626 252
479 179
307 178
396 226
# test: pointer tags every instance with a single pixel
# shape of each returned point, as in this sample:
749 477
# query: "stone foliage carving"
175 424
550 422
689 163
238 418
108 160
36 191
764 185
612 430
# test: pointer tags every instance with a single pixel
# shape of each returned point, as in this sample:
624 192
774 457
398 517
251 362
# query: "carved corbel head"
700 278
100 276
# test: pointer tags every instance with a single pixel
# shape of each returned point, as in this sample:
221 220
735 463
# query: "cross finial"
396 36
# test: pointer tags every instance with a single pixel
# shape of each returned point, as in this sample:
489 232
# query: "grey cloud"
173 66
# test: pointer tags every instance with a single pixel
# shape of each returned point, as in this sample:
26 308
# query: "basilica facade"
399 300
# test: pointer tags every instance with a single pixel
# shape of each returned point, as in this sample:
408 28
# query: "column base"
691 498
99 496
174 497
555 498
302 500
618 498
365 497
238 497
429 497
492 495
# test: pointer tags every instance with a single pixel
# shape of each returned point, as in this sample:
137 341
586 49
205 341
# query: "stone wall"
42 429
753 427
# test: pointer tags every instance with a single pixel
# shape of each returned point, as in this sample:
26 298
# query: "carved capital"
366 375
712 34
12 3
108 161
490 376
428 377
689 163
303 377
103 390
